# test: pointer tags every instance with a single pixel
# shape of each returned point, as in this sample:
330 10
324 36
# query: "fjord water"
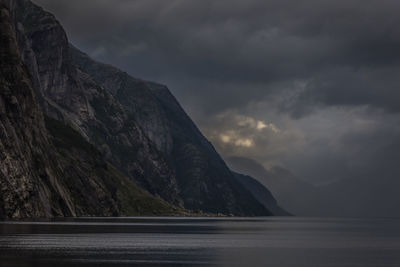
278 241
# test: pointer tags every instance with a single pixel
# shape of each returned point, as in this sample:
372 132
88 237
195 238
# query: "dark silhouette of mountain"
262 194
292 194
371 195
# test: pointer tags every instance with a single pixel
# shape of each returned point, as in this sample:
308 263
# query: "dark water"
271 242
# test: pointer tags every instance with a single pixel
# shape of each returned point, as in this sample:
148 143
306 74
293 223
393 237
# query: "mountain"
293 195
71 96
137 126
262 194
203 179
36 178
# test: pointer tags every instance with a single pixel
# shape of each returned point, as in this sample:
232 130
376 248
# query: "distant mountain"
372 195
292 194
137 126
262 194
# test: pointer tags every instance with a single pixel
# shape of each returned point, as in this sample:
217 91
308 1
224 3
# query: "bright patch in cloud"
244 121
261 125
234 138
225 138
244 142
239 135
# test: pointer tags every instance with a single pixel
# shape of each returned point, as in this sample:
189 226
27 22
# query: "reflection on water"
271 242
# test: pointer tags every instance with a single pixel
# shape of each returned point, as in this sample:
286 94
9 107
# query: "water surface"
278 241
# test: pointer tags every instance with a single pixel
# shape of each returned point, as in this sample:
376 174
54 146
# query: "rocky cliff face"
138 126
48 169
69 95
24 178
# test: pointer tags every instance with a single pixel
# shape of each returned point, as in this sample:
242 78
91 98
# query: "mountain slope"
203 180
292 194
24 180
138 126
38 180
94 184
262 194
71 96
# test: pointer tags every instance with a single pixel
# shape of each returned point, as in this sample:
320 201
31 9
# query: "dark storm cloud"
346 52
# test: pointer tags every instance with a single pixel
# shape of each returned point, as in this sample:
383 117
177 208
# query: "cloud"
243 121
239 134
340 50
312 85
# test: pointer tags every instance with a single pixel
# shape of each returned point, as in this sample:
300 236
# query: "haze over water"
271 242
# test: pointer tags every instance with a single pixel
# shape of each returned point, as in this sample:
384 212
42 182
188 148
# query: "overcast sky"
310 85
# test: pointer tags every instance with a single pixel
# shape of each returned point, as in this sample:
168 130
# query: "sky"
311 85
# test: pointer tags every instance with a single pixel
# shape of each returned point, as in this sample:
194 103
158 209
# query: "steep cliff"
69 95
26 179
137 125
48 169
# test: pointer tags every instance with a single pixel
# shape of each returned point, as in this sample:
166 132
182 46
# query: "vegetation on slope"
75 151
